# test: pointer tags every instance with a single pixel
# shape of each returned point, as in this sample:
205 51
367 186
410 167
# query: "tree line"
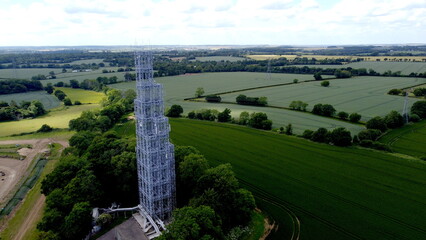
19 86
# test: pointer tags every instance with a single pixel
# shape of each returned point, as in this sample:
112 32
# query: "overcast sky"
201 22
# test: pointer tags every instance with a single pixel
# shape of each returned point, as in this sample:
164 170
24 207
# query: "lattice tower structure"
155 153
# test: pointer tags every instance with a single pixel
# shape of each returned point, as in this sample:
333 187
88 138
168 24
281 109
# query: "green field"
365 95
26 73
220 58
88 61
337 193
409 139
49 101
178 88
57 118
84 96
380 67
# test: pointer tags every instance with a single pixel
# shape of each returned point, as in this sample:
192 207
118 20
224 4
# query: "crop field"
321 57
25 73
178 88
220 58
381 67
84 96
88 61
49 101
409 139
57 118
337 193
364 95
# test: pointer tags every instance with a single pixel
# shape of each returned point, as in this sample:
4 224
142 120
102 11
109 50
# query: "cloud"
100 22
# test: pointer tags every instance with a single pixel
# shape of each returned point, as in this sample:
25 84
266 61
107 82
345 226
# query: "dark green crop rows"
337 193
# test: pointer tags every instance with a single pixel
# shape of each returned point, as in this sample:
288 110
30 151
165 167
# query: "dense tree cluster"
298 105
338 137
19 85
26 109
116 104
255 101
213 98
419 92
323 110
216 202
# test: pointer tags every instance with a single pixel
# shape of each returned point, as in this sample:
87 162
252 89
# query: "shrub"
376 123
295 80
343 115
323 110
394 120
321 135
369 134
224 116
255 101
67 102
175 111
45 128
419 108
213 98
191 115
289 129
298 105
244 118
307 134
77 103
318 76
325 83
354 117
414 118
374 145
395 91
260 121
341 137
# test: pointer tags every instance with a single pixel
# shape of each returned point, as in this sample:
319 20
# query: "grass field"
321 57
26 73
84 96
381 67
57 118
220 58
409 139
88 61
49 101
178 88
337 193
364 95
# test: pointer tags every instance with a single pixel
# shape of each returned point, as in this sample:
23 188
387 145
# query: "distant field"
49 101
57 118
409 139
84 96
381 67
178 88
321 57
337 193
26 73
365 95
88 61
220 58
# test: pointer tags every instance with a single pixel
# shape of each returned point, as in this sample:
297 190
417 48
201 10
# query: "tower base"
150 226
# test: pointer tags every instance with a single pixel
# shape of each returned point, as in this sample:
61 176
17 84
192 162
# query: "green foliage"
342 74
341 137
318 76
374 145
419 108
323 110
194 223
325 83
77 102
295 80
60 94
394 120
354 117
308 134
418 92
414 118
289 129
255 101
395 91
343 115
49 88
369 134
224 116
376 123
19 85
79 222
45 128
244 118
298 105
67 102
213 98
175 111
199 92
321 135
260 121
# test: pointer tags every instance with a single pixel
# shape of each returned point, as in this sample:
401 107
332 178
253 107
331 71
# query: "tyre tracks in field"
289 207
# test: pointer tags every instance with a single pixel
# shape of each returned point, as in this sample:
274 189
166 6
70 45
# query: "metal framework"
154 152
405 109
